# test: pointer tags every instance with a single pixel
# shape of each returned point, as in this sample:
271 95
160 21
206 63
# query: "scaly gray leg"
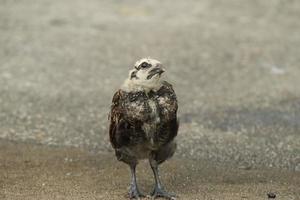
134 192
159 189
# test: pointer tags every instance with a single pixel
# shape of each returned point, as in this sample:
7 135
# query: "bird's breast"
150 126
154 111
137 111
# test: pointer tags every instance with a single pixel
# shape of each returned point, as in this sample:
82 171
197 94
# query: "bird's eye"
145 65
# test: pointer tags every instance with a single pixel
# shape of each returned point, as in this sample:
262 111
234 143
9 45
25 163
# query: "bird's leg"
134 192
159 190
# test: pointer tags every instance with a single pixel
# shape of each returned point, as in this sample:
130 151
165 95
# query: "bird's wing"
123 129
170 123
169 103
116 115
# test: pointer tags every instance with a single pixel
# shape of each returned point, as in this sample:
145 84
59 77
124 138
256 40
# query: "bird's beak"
154 71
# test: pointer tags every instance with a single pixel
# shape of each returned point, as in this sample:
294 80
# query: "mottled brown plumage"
143 121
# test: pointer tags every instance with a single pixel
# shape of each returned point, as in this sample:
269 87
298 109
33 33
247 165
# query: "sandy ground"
235 68
30 171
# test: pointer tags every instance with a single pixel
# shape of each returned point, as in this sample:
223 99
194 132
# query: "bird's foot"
134 193
158 192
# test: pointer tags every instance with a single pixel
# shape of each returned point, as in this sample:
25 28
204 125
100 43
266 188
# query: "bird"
143 122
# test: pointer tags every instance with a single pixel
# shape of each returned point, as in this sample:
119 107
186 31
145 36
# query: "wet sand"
29 171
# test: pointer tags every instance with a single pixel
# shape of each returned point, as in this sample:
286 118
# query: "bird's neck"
135 86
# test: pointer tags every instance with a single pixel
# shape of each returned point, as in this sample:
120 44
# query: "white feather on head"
141 82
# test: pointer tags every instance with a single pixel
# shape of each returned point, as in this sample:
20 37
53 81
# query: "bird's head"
146 74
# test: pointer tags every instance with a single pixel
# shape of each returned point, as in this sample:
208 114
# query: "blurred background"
234 65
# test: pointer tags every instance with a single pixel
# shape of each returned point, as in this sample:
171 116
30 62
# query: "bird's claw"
135 194
162 193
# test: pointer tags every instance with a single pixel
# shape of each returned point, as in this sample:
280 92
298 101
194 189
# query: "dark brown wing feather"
170 123
123 130
116 115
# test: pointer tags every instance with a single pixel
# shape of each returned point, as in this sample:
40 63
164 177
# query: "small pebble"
271 195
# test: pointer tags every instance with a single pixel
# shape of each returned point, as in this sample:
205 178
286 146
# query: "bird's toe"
135 194
162 193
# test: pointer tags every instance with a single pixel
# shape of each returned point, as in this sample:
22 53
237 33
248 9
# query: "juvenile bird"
143 122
